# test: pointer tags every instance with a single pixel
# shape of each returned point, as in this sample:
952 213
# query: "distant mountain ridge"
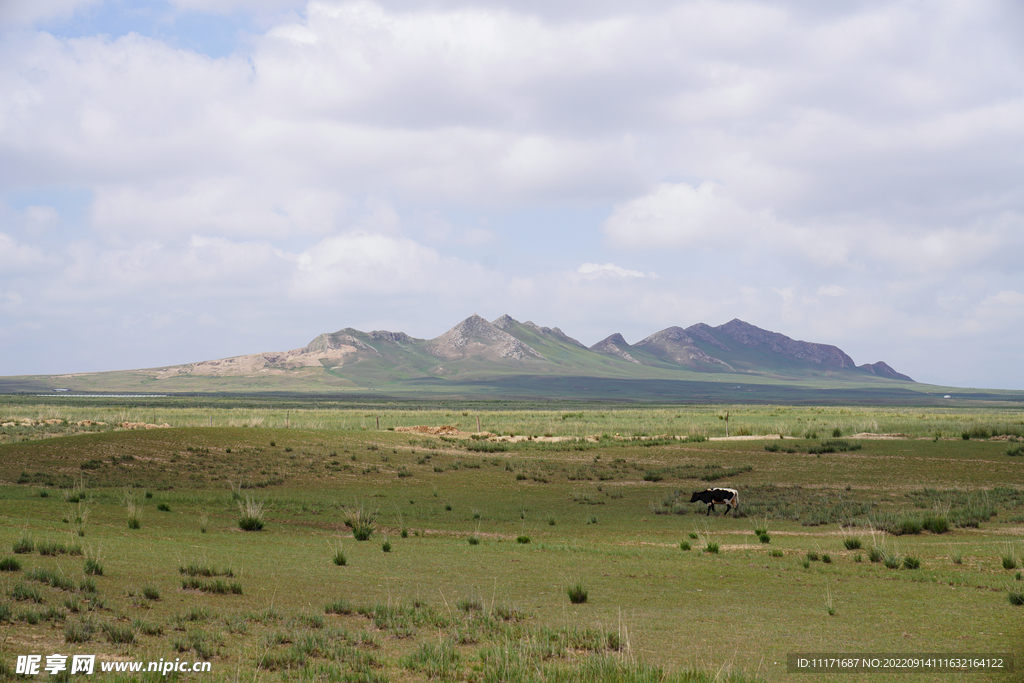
476 348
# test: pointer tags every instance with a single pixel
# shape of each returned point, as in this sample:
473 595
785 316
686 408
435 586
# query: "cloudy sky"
183 180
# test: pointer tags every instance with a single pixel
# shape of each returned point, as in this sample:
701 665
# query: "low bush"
522 539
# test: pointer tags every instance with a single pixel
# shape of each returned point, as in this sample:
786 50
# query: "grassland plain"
609 514
24 418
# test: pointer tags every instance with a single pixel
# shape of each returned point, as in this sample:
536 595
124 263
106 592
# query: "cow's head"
695 497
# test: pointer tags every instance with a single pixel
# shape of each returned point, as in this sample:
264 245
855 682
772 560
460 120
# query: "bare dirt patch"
443 430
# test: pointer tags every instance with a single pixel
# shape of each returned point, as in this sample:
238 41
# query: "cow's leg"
728 507
711 507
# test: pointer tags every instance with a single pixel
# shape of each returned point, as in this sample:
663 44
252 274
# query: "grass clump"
1015 596
474 540
251 511
10 564
116 633
852 542
522 539
93 566
195 569
217 586
684 545
79 631
711 547
910 562
338 607
24 545
361 522
577 593
23 593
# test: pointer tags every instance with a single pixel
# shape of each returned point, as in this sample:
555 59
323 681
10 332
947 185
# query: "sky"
184 180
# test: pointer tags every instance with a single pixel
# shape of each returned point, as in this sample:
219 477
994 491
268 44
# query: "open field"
24 418
457 596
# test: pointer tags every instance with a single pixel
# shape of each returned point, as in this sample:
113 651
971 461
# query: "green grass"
387 607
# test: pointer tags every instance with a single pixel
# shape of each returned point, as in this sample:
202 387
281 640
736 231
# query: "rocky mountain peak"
754 337
615 345
476 336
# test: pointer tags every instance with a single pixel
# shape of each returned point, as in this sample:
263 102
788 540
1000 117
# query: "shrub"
577 593
812 556
1014 451
1016 597
910 562
386 546
851 542
1009 562
522 539
150 593
684 545
24 545
711 547
826 558
163 507
776 553
473 540
10 564
764 538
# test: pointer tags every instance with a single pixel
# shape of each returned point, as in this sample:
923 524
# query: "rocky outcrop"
755 338
674 345
614 345
474 336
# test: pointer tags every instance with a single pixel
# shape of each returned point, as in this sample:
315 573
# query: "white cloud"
606 269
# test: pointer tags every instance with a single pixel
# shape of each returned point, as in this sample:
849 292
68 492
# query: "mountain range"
478 348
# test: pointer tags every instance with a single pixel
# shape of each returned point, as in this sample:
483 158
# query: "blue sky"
186 180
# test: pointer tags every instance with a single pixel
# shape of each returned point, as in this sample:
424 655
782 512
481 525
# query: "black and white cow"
730 497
